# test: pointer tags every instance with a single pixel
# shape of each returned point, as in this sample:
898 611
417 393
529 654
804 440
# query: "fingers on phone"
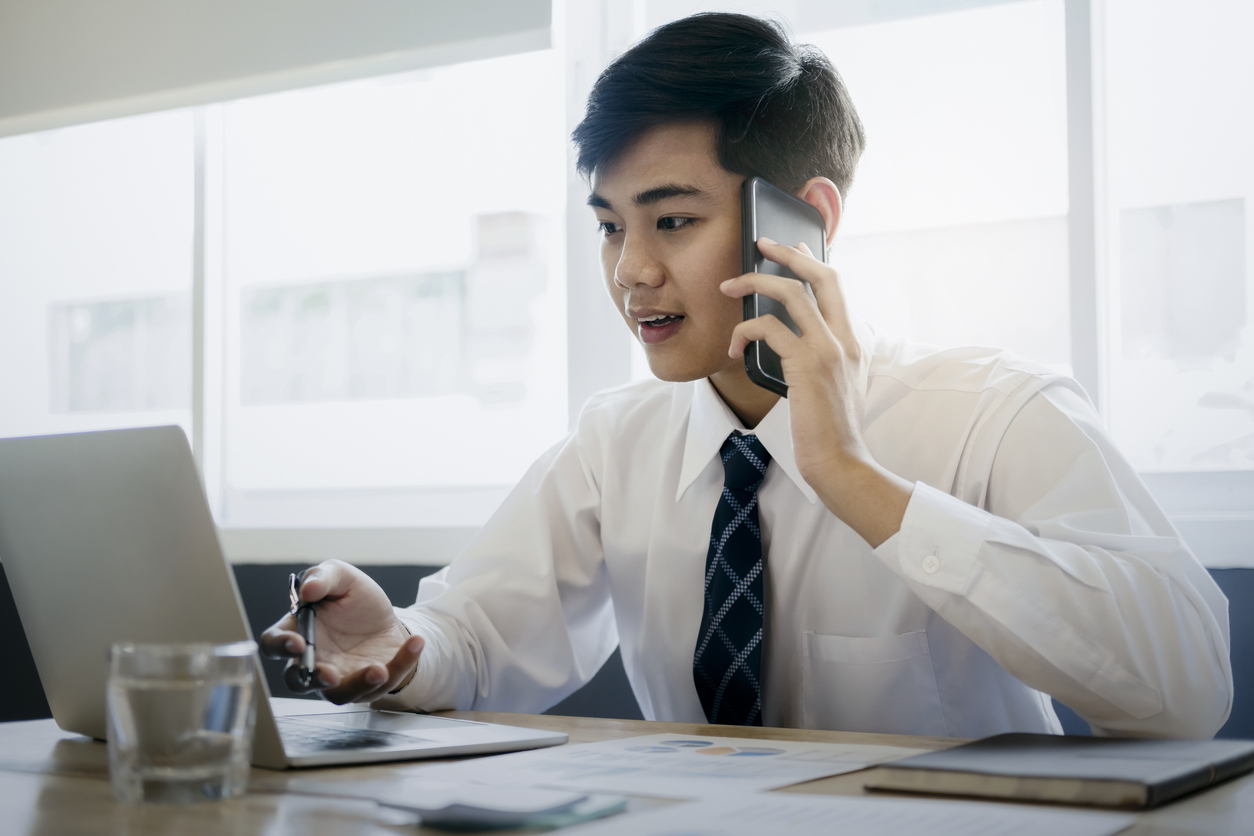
767 328
824 298
797 297
799 259
826 284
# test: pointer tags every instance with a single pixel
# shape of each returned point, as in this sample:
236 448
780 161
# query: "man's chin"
677 361
679 378
677 373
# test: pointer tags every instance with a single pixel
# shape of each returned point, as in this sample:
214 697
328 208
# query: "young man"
914 541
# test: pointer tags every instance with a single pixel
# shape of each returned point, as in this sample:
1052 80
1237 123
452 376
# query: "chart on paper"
671 766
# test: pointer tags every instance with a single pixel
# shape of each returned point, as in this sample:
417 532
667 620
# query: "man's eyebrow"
654 195
650 196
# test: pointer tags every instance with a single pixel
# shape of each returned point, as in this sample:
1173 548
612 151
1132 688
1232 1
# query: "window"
955 229
959 225
383 304
950 235
1180 185
411 253
95 276
393 295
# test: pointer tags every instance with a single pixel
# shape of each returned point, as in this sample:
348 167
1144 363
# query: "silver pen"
305 626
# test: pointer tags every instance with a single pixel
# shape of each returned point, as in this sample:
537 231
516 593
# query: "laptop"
107 537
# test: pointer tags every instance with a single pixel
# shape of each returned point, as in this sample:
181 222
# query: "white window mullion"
213 416
599 354
1086 347
198 291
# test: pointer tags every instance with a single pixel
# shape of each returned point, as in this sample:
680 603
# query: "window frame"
1213 511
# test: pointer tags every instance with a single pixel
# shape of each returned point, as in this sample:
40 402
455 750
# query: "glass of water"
180 720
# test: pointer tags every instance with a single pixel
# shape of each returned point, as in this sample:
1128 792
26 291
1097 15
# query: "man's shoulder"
632 403
975 370
939 415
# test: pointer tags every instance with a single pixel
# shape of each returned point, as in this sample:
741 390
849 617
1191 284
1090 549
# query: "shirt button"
931 564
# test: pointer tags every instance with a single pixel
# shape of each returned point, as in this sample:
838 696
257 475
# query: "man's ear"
823 195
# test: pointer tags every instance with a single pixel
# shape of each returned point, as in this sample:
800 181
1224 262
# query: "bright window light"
955 228
95 276
1179 80
394 283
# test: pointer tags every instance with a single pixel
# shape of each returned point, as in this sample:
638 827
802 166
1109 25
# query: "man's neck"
748 400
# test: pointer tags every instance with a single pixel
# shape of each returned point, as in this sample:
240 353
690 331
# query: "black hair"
780 110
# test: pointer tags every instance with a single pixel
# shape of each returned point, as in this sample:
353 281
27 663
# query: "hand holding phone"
770 212
829 363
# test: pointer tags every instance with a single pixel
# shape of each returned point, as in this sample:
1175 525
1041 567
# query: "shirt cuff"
414 696
939 541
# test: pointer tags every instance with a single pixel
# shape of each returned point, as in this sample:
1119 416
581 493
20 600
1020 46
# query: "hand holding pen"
305 626
355 649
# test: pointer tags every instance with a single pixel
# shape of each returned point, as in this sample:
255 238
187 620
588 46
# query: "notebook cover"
1167 768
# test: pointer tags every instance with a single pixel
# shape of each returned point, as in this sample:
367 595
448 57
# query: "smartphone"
769 212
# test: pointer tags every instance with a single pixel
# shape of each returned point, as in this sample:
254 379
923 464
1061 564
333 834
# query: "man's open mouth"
659 321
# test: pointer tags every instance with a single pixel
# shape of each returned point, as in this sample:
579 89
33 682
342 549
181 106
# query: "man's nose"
637 265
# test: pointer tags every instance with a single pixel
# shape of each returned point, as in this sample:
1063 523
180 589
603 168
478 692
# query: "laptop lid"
106 536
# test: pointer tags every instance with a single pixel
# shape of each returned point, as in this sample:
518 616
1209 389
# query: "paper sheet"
471 806
426 796
668 765
794 814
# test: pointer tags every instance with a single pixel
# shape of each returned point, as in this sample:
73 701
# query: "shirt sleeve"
523 617
1074 580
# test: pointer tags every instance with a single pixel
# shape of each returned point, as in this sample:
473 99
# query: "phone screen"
769 212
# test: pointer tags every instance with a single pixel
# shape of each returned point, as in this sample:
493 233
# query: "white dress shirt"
1031 561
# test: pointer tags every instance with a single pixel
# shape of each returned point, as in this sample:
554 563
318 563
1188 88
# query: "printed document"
668 765
795 814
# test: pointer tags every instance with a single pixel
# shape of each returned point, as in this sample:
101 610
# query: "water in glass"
180 721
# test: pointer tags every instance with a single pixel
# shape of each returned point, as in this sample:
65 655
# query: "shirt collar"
710 421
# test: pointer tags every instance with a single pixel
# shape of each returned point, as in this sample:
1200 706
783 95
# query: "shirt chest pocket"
882 684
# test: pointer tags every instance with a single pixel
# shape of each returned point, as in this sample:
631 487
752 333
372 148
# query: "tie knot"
744 462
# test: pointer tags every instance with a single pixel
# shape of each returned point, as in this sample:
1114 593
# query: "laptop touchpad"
394 722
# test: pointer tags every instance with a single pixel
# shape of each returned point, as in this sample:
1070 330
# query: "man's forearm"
866 497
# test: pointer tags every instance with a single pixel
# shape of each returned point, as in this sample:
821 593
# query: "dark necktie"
728 658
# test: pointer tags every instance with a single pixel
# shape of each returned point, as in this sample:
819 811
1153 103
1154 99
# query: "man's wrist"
410 678
404 682
865 496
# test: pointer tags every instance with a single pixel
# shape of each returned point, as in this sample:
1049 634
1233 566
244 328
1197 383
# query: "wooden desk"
53 782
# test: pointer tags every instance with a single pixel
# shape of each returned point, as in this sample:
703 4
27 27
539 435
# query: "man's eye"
670 224
607 227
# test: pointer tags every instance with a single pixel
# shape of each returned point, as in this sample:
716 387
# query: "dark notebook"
1100 771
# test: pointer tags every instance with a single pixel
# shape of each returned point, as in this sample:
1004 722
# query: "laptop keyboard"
310 737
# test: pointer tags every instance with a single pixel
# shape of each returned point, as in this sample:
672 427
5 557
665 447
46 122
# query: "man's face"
670 233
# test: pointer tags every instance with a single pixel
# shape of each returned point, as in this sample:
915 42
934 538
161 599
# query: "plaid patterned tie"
728 658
